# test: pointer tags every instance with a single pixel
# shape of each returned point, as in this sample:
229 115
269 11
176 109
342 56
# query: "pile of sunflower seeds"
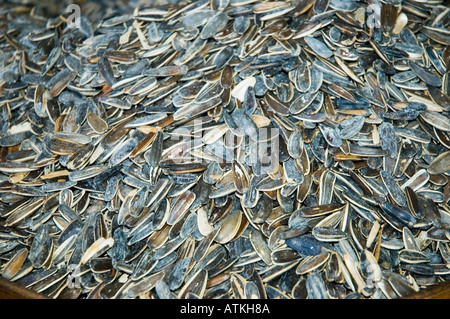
225 148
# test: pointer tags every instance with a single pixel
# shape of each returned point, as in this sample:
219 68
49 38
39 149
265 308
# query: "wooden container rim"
12 290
